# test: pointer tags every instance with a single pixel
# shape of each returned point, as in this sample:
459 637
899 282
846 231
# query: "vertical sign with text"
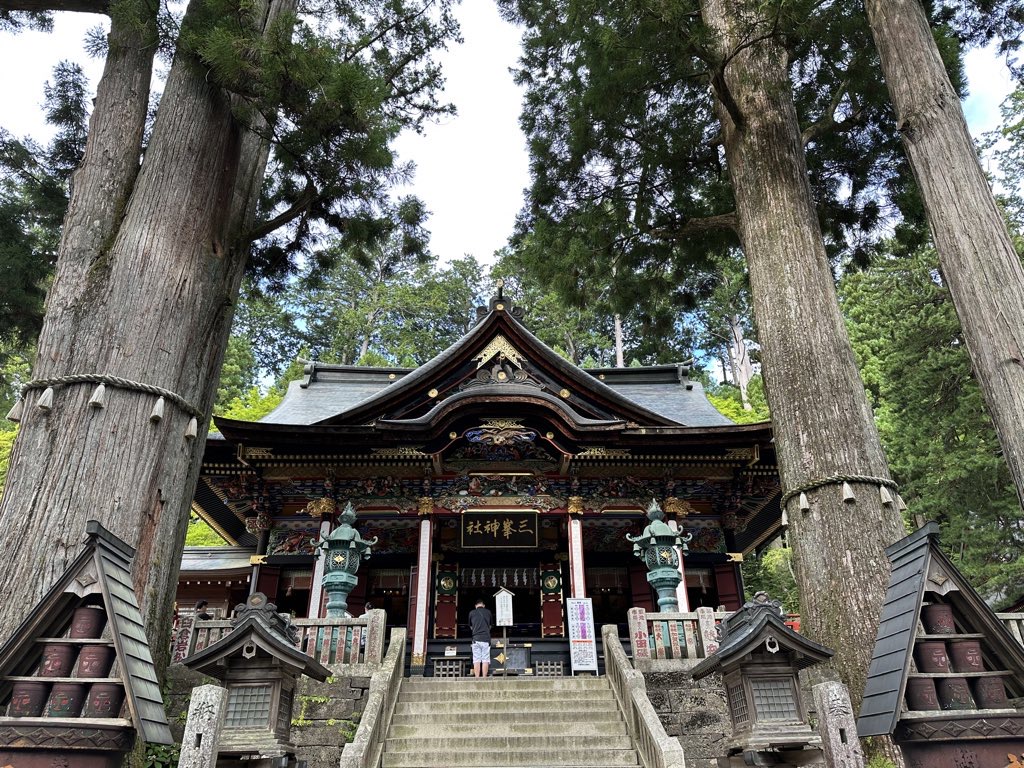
503 607
582 641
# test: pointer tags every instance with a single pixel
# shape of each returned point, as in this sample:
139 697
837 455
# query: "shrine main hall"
498 463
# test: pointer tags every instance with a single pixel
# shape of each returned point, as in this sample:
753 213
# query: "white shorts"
481 652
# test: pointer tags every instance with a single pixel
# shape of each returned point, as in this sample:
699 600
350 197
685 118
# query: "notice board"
582 641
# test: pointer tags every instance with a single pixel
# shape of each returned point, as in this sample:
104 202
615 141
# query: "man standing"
480 621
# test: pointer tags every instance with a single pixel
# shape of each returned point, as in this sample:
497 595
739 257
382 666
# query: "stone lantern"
259 666
344 548
760 659
656 546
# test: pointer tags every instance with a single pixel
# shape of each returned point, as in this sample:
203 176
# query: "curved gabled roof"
654 396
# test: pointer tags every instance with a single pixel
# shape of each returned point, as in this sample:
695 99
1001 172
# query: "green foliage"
940 442
8 432
237 372
331 89
33 197
726 398
1009 155
628 193
200 534
161 756
879 761
771 571
584 332
384 308
252 405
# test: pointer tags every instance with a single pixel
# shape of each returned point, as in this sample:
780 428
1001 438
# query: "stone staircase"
470 723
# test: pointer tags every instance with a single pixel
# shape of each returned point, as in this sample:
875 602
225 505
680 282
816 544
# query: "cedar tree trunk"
823 422
146 276
979 263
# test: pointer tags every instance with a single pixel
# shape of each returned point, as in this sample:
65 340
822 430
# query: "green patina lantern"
656 546
344 548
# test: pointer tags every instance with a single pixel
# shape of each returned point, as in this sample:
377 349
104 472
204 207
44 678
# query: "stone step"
529 757
429 727
455 709
559 716
492 742
532 683
486 693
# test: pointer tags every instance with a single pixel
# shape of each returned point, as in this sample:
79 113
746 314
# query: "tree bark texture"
144 290
823 422
979 263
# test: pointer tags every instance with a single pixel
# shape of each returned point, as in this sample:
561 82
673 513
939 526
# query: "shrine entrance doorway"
482 580
533 578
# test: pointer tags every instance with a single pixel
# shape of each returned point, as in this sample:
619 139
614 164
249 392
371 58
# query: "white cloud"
989 83
471 169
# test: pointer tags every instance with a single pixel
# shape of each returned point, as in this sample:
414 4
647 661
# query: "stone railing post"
376 625
202 729
708 631
639 641
837 725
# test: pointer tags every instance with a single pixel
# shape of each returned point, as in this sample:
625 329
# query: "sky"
471 169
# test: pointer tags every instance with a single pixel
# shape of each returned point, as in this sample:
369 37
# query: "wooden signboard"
499 528
503 608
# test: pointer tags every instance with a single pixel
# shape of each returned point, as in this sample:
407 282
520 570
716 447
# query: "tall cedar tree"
978 260
823 422
628 186
153 252
626 170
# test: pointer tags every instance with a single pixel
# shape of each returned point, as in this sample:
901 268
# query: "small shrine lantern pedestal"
260 666
760 659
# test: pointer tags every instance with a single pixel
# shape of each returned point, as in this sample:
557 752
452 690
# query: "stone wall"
694 711
324 718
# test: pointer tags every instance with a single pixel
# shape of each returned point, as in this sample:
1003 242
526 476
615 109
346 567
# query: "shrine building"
496 464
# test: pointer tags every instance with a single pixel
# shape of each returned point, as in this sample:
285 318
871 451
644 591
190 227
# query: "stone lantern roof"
760 622
258 629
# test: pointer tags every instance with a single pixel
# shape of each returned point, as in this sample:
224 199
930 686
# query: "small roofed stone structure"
760 658
259 665
946 678
78 659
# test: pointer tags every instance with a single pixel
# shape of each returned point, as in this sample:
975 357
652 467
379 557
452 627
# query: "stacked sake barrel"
951 667
72 678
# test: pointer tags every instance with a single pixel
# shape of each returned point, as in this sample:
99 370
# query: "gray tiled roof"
685 403
333 390
890 659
